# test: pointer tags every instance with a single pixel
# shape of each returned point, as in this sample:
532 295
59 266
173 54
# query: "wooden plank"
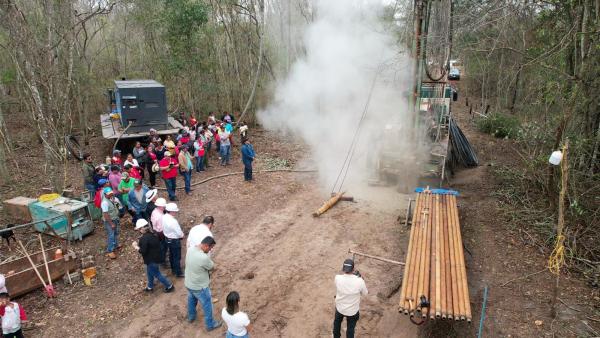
22 263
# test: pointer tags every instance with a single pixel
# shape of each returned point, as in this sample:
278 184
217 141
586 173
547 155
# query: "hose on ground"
241 172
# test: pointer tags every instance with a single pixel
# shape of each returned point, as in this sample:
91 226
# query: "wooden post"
558 252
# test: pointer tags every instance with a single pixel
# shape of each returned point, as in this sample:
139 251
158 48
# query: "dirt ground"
283 261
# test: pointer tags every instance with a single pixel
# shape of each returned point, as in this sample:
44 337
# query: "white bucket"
556 157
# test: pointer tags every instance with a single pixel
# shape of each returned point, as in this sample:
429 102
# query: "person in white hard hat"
173 236
149 247
156 219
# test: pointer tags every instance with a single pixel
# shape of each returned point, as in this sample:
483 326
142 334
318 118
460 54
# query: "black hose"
461 151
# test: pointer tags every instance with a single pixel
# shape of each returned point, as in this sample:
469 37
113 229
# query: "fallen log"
330 203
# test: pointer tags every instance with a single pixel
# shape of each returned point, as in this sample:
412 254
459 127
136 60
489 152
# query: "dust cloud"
351 60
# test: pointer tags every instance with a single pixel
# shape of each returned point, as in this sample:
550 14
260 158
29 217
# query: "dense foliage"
538 63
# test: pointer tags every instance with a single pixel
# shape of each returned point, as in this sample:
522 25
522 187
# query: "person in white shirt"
200 231
173 236
349 288
131 161
156 221
238 323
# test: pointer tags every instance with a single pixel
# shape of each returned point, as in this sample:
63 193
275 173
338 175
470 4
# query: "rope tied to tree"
557 257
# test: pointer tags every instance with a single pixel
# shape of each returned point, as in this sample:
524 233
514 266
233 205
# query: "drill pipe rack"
435 278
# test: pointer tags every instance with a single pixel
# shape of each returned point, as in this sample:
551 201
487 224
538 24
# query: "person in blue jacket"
247 157
137 201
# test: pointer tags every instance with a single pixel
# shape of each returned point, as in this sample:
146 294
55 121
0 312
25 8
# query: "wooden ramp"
435 278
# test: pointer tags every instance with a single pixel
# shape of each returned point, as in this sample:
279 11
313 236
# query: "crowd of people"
118 188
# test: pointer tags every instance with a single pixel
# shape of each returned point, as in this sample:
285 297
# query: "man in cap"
168 169
173 236
149 247
199 232
151 197
349 288
197 280
110 215
137 201
156 219
185 167
88 173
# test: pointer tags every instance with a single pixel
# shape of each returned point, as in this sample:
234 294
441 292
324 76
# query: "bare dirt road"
268 232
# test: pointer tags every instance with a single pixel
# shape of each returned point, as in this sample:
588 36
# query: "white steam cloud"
349 48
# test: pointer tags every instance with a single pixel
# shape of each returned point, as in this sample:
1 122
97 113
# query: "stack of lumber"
435 278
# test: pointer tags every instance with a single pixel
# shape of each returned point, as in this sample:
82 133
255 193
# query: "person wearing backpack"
13 316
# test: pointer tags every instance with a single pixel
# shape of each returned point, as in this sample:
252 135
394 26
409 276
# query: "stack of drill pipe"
435 263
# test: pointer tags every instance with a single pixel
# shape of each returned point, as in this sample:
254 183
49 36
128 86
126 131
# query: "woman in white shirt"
238 323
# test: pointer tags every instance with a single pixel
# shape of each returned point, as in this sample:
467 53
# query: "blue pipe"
485 294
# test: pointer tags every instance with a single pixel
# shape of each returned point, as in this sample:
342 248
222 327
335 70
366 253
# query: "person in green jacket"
125 186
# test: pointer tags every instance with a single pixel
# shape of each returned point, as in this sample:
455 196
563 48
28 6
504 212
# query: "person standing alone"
247 158
349 288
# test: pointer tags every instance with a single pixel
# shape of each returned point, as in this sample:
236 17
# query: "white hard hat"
151 194
140 223
160 202
172 207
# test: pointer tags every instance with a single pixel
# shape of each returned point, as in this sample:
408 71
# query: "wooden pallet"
435 277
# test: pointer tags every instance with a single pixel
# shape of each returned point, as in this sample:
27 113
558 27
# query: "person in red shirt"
13 316
168 168
193 120
133 172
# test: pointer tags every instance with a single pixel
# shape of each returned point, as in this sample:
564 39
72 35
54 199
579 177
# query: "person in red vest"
168 168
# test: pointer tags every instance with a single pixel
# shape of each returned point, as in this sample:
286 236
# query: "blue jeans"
112 235
187 179
152 272
174 246
206 300
225 153
171 184
248 172
199 163
230 335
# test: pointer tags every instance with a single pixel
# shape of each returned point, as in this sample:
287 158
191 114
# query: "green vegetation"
499 125
540 62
